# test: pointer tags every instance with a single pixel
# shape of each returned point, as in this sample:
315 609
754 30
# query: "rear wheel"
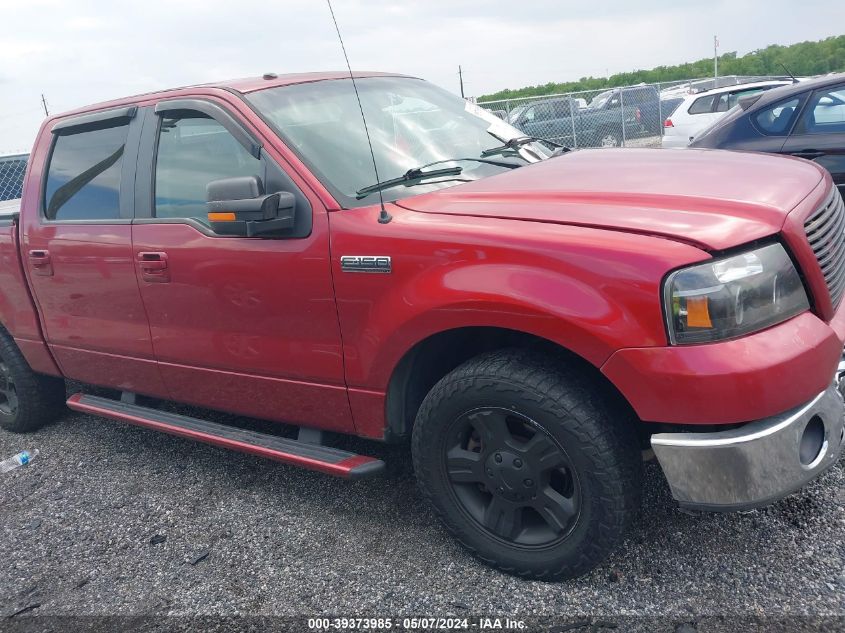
526 465
27 400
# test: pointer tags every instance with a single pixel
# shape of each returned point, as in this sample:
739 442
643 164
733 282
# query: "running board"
324 459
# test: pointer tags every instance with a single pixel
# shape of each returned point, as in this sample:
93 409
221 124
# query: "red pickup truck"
532 322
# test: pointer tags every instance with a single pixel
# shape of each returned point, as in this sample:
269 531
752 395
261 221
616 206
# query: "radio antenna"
794 80
384 217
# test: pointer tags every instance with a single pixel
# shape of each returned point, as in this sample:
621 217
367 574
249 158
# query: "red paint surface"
248 326
714 199
752 377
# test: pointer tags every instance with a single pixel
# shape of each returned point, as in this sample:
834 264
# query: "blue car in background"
805 119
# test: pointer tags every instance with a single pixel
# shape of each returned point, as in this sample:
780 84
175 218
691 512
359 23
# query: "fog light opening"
813 444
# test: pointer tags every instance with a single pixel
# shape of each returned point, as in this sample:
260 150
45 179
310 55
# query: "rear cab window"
84 173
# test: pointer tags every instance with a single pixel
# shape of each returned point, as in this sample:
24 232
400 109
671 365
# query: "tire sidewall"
39 397
10 420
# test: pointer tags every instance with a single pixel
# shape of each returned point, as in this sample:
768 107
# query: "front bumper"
757 463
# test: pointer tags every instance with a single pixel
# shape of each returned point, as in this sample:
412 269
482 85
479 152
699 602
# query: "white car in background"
699 111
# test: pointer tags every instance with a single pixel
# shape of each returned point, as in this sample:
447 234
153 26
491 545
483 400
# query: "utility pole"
715 57
461 79
44 103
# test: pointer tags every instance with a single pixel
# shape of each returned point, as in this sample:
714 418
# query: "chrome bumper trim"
752 465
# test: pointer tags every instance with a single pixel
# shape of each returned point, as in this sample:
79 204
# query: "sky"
78 52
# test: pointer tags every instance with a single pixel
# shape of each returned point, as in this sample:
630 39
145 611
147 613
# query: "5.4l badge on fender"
365 264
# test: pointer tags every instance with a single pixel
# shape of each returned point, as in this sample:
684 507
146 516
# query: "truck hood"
712 199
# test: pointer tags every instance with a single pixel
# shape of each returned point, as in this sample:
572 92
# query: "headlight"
729 297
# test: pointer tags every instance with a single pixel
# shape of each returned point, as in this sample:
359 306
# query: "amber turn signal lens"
698 313
221 217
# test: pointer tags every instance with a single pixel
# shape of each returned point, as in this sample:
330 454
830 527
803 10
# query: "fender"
591 291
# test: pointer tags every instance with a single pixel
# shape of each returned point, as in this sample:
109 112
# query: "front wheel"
527 465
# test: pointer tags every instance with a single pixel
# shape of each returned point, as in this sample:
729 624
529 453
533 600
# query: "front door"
246 325
78 253
819 134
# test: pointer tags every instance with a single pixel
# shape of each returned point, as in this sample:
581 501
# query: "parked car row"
696 112
610 118
805 119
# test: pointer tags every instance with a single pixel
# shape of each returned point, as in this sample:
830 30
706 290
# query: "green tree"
804 58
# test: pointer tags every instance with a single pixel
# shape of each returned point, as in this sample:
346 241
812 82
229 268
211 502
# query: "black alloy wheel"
512 477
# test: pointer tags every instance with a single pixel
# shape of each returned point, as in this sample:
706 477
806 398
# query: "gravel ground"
112 519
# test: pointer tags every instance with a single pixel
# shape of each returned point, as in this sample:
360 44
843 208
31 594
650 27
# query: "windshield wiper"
415 175
515 143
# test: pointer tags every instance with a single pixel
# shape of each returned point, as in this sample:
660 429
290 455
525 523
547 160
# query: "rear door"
76 241
247 325
819 134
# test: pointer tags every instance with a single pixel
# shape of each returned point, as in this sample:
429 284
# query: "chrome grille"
825 231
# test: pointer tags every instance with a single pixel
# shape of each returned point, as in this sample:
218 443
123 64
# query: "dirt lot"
113 519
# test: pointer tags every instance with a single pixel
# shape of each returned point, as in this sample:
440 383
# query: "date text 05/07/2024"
416 623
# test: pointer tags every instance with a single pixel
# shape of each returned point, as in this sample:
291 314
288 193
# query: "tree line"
804 58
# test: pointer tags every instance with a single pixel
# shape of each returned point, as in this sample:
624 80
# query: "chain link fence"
12 169
626 116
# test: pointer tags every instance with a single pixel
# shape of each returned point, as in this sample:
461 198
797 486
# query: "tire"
610 139
28 400
572 515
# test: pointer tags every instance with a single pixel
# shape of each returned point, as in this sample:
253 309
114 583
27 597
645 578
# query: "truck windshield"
599 100
411 123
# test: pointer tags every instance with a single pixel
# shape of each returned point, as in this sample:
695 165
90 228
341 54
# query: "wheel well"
432 358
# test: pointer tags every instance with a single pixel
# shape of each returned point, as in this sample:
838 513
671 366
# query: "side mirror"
239 206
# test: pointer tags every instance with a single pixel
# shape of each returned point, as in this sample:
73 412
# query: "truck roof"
251 84
244 86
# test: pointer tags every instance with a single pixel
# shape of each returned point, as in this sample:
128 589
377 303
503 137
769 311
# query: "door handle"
153 267
809 154
40 262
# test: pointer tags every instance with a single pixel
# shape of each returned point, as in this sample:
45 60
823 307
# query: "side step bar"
324 459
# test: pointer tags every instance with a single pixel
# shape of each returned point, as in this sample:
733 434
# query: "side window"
563 108
729 100
83 177
825 113
776 119
639 97
529 115
543 112
193 150
722 103
702 105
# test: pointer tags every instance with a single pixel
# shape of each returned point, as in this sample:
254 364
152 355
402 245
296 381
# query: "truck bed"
8 207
